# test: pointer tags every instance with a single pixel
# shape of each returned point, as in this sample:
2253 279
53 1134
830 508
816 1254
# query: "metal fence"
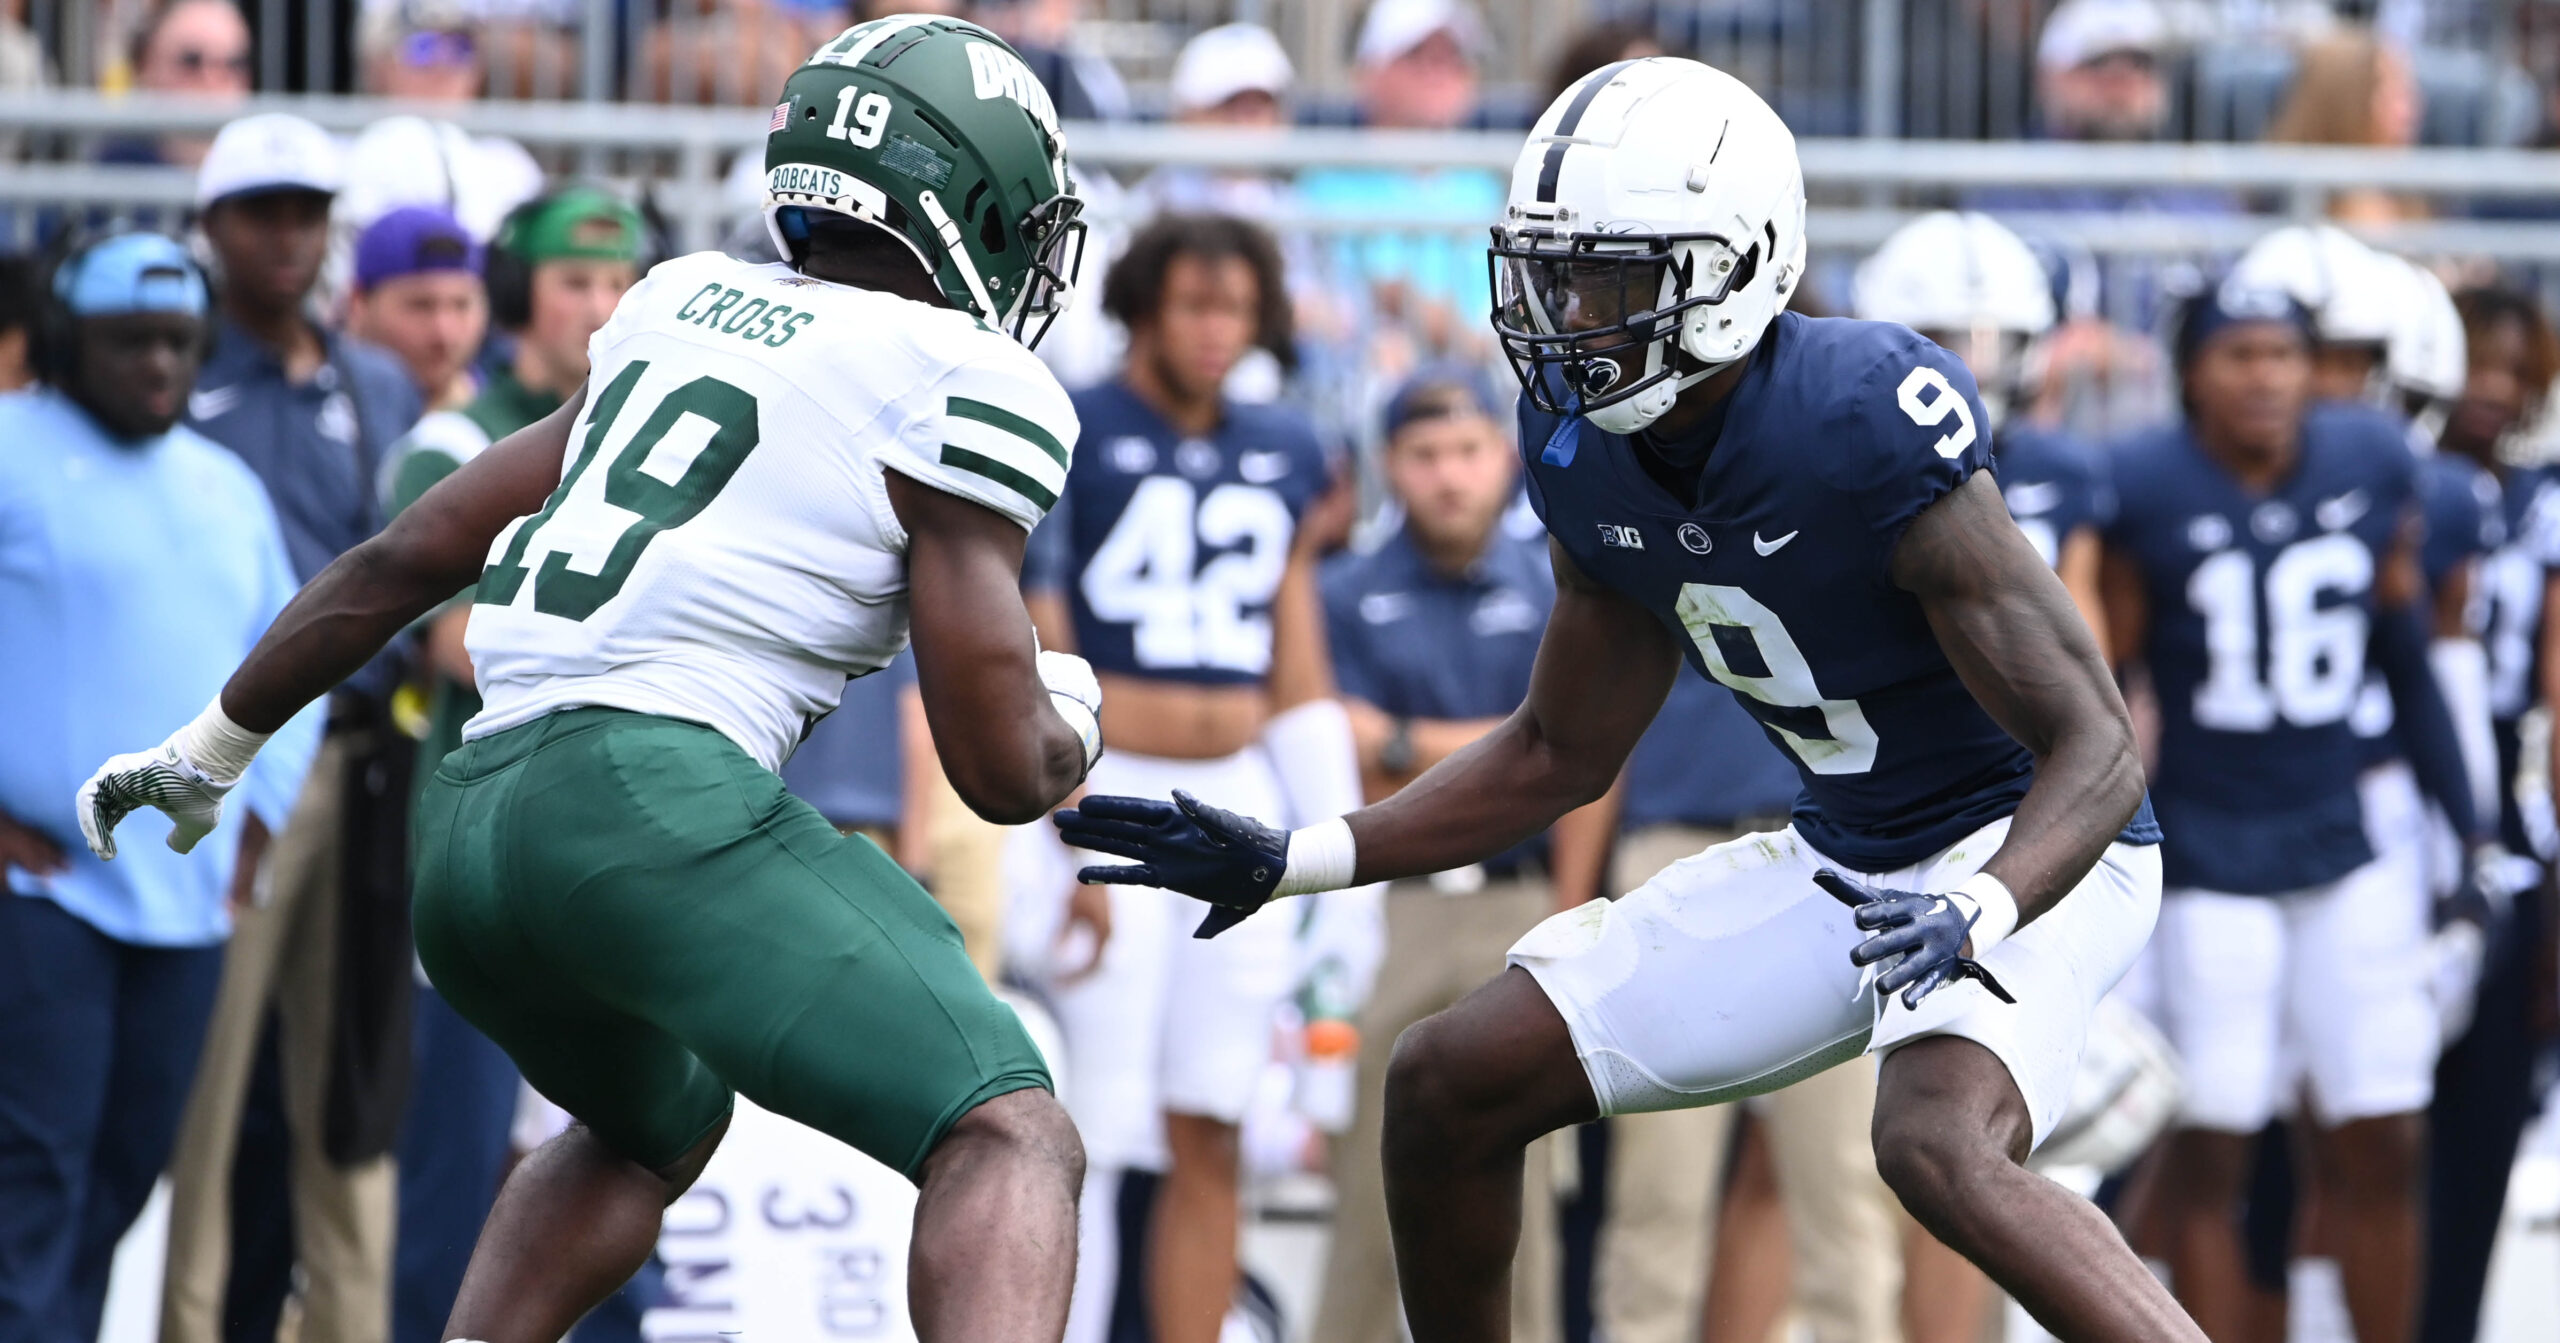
1961 69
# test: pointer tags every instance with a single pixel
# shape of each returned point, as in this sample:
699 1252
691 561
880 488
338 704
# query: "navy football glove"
1233 862
1926 931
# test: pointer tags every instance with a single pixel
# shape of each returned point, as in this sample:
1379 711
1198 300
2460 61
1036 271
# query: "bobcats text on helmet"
1657 211
932 130
1968 283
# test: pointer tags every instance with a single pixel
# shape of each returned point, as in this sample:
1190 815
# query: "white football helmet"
1968 283
2349 289
1658 201
2427 357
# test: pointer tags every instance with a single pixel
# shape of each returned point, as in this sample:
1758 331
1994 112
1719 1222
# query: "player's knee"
1428 1089
1935 1168
2206 1167
1203 1147
1028 1126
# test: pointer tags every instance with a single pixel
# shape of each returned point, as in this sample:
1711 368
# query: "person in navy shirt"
2264 553
1799 508
2484 1084
1433 635
1172 563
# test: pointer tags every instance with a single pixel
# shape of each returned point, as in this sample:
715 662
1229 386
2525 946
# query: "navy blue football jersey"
2054 486
2507 597
2458 503
1168 547
2260 609
1775 580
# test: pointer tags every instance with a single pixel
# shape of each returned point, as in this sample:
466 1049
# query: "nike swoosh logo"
1262 468
1770 547
211 403
2340 513
2036 497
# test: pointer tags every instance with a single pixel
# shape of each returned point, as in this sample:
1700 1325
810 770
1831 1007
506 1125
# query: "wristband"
1320 859
218 748
1986 899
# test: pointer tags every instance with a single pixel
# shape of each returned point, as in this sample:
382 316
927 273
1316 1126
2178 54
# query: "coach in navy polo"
1433 632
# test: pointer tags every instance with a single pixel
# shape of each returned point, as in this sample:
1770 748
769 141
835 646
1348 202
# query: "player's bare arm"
330 629
1603 669
370 594
1008 753
2016 639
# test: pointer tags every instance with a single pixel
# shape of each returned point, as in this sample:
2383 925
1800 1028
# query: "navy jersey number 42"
1167 547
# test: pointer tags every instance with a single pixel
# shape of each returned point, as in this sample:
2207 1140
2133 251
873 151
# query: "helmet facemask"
1591 322
1054 234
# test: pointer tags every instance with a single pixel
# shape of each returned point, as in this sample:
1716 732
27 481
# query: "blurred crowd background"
415 212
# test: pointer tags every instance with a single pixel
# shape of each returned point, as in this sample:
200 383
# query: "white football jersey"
721 547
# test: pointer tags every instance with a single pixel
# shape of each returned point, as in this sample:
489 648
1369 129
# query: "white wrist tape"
219 748
1995 911
1320 858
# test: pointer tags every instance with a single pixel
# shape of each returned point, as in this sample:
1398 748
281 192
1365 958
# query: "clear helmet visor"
1581 316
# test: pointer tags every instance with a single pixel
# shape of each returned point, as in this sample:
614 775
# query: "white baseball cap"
272 151
2084 30
1228 60
1394 27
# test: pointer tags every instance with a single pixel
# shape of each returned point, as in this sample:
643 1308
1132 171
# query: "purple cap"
411 240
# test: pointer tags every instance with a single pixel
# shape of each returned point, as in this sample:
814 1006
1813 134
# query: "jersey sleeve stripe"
961 407
980 464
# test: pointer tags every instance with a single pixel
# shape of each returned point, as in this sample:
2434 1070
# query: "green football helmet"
934 130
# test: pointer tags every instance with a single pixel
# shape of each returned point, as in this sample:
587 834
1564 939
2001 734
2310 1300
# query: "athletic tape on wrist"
1321 858
218 748
1987 897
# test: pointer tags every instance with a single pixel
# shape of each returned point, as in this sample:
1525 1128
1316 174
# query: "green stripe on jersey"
1000 473
1030 432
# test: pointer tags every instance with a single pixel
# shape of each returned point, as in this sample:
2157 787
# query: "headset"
508 274
54 344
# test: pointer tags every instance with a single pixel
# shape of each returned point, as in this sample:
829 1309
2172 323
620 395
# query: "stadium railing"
1862 188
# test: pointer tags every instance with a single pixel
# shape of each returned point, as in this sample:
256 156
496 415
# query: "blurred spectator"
556 270
736 52
1235 77
2353 89
1083 84
409 160
1215 679
1405 298
23 63
418 294
424 52
312 413
1703 774
1433 633
2099 78
2098 71
107 973
2485 1092
1596 46
194 48
21 303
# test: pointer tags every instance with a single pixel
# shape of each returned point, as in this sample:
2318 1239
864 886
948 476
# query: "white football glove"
159 777
1077 697
185 777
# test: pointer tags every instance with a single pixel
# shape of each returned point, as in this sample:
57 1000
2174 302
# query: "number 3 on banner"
1944 400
